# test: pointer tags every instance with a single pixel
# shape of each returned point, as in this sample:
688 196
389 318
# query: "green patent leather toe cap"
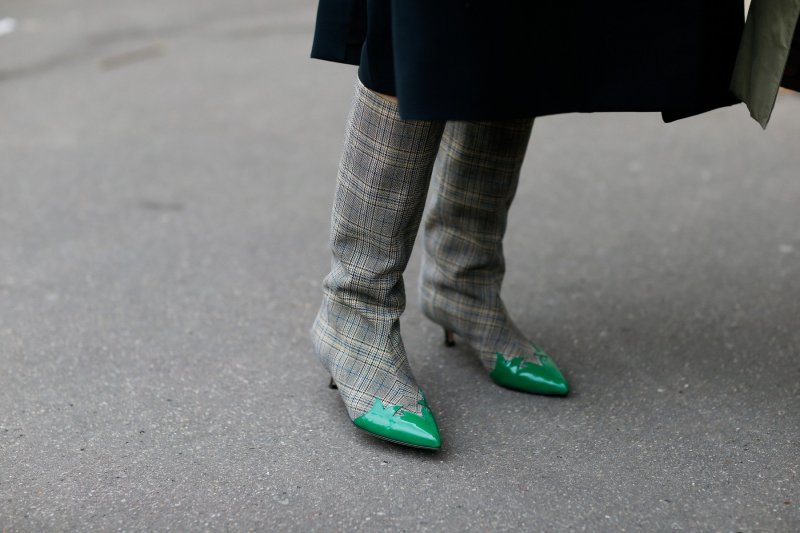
405 427
519 374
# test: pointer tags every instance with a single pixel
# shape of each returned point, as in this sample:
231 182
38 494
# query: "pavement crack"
130 57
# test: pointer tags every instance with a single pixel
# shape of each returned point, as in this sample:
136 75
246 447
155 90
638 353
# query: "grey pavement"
166 173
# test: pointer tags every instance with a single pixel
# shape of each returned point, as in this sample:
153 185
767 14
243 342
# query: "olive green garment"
763 53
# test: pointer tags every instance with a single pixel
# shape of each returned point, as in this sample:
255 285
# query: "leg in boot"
382 184
475 179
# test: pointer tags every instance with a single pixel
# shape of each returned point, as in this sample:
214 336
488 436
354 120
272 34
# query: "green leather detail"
404 427
519 374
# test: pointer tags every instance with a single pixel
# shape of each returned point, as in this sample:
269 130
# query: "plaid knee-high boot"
381 189
475 180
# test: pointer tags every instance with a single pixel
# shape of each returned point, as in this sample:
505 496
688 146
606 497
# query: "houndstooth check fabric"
383 179
475 180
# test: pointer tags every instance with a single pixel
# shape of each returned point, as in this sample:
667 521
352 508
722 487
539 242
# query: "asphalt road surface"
166 174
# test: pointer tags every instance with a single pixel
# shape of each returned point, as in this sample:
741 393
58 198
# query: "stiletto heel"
449 340
332 384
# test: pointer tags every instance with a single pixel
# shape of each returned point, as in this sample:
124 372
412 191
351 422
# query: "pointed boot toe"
518 374
393 423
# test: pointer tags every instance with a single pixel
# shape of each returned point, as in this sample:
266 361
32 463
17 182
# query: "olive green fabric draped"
769 43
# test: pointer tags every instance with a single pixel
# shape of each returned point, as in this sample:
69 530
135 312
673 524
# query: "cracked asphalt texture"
166 174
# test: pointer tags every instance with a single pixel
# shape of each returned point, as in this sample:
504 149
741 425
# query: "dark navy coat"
489 59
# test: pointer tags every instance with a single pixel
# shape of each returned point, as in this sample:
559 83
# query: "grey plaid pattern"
382 184
475 179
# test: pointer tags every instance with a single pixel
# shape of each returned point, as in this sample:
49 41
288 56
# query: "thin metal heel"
449 338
